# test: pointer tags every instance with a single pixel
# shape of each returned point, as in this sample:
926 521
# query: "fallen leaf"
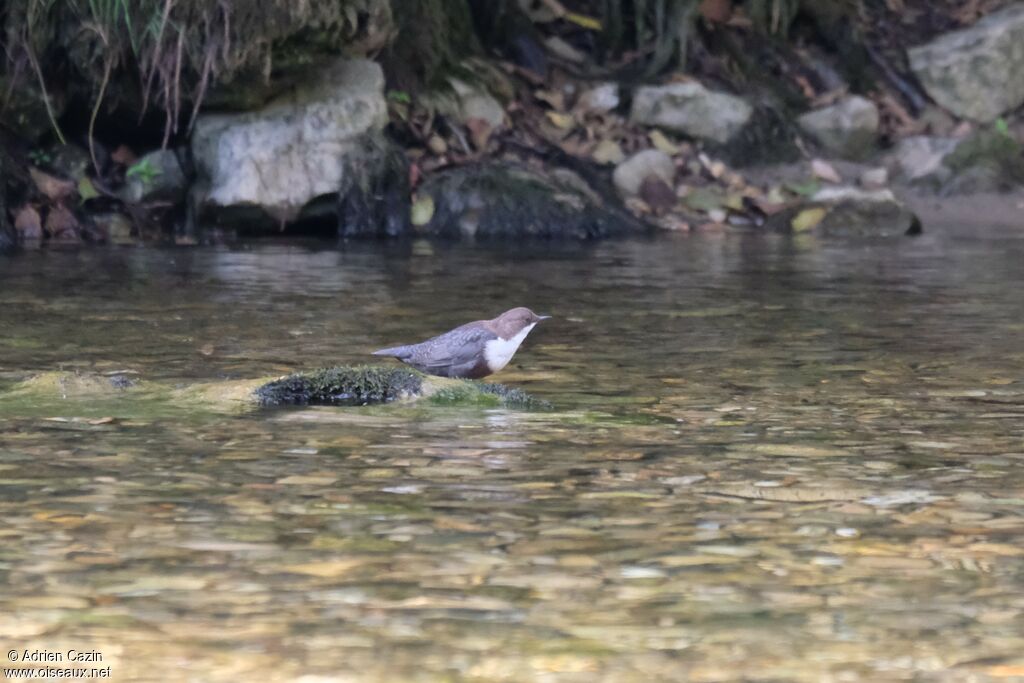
61 224
825 171
715 168
561 120
86 190
608 152
806 189
52 187
662 143
583 20
808 219
436 144
422 210
479 132
28 223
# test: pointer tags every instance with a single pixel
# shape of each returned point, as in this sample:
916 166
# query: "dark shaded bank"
576 120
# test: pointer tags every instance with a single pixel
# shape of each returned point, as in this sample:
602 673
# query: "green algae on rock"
469 392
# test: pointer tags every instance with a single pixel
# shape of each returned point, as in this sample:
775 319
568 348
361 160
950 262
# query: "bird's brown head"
511 322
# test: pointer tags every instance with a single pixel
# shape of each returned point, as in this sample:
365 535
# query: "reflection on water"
770 459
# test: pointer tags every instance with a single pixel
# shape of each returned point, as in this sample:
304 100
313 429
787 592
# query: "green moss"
343 385
992 150
469 393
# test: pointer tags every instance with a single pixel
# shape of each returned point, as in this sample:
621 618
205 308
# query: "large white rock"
692 109
848 128
299 147
977 72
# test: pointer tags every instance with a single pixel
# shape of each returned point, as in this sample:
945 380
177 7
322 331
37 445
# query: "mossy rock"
987 161
469 393
367 385
352 386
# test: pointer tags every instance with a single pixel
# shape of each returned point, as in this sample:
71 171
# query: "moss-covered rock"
987 161
366 385
469 392
342 386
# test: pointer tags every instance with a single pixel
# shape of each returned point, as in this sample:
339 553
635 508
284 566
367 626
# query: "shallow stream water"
769 458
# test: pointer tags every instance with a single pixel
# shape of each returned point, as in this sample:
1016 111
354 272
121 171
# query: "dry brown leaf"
563 121
61 224
479 132
52 187
662 143
608 152
28 223
822 170
436 144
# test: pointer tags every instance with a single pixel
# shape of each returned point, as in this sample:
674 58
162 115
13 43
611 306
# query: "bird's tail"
399 352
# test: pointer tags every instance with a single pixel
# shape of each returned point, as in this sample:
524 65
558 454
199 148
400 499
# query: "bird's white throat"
498 352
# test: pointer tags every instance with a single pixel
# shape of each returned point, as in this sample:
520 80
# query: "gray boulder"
977 72
507 201
847 211
691 109
848 128
301 146
855 212
631 173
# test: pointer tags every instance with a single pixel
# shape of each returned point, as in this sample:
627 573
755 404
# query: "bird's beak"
543 317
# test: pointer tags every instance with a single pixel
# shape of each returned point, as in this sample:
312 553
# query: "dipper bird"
473 350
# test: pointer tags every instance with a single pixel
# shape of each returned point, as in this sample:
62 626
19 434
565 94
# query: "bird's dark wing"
460 347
